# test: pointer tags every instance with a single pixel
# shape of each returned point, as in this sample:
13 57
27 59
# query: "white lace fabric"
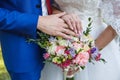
79 7
110 10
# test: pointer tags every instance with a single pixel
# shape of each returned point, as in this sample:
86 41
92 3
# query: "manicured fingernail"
80 33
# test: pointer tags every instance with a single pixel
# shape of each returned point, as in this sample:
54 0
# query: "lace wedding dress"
103 13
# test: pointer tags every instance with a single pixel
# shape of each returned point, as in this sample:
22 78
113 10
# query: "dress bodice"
79 7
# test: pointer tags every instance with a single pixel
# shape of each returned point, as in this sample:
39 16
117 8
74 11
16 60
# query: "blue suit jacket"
18 21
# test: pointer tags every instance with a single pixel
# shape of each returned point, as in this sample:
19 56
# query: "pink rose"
81 59
46 55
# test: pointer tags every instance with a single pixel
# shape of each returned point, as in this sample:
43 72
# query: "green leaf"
89 19
82 67
90 24
103 60
70 78
80 50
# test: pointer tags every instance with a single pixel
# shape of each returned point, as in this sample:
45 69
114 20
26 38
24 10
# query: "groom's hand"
54 25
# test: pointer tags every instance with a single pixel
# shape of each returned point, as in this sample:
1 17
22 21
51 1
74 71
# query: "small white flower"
75 39
63 43
60 52
52 49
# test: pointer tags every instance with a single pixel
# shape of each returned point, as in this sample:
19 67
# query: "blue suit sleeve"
18 23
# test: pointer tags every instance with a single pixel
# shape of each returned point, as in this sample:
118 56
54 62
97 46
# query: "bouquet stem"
65 76
70 78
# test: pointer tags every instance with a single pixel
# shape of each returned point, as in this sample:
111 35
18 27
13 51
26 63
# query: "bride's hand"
71 72
73 22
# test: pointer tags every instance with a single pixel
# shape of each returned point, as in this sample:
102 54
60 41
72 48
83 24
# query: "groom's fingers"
63 25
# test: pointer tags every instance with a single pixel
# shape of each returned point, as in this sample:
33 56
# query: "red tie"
49 8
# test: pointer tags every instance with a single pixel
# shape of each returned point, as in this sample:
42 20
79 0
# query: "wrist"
97 45
56 11
39 24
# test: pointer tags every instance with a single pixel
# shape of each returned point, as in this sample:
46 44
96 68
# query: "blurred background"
3 73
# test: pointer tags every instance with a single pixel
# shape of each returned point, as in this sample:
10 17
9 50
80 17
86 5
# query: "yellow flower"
69 57
58 62
62 42
86 48
54 59
90 38
75 38
64 60
59 38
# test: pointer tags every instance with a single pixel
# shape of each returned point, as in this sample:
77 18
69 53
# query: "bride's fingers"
72 71
77 23
73 23
76 70
69 23
79 26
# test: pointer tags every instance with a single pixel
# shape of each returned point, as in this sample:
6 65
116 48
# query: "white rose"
52 49
60 52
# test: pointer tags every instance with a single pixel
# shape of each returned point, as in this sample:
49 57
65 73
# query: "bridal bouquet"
69 54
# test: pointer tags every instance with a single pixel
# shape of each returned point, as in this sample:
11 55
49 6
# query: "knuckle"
77 22
65 31
67 20
72 21
56 33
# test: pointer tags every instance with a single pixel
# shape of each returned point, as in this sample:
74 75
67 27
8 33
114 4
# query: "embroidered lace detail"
110 10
